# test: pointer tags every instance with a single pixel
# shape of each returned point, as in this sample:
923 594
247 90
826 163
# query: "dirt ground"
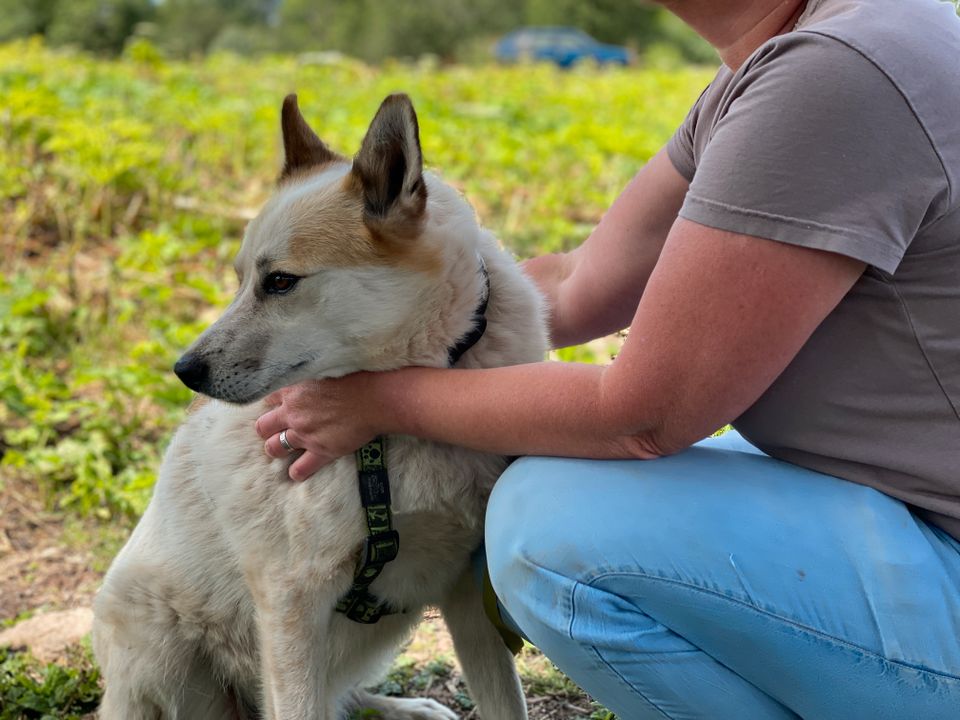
48 565
41 568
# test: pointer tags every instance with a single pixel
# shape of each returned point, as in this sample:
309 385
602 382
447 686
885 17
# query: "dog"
223 603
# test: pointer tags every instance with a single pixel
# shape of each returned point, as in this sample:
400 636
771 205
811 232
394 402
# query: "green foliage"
97 25
127 184
371 30
660 36
186 27
100 26
365 714
602 713
407 677
22 19
31 691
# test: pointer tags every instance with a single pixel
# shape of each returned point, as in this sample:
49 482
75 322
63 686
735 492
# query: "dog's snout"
192 370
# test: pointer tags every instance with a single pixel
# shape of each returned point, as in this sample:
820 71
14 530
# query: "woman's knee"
523 557
507 520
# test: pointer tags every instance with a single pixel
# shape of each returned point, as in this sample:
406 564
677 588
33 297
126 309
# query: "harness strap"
491 608
382 542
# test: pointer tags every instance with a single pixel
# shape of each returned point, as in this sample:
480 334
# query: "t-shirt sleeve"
817 147
680 145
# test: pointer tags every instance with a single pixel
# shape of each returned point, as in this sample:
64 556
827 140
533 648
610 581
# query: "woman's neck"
736 28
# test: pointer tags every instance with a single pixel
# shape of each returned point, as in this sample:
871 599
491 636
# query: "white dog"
223 603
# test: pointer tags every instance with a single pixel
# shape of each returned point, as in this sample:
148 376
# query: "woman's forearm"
594 290
541 408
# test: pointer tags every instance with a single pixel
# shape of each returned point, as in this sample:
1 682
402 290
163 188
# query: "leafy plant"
32 691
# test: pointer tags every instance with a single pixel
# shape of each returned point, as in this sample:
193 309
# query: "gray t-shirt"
844 135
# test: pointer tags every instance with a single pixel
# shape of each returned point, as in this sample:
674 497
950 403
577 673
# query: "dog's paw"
419 709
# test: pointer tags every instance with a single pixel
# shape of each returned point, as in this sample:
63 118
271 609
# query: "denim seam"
629 684
790 621
603 661
571 609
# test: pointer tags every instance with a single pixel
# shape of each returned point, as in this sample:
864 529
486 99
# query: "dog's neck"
473 336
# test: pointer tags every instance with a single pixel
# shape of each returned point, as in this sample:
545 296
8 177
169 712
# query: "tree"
613 21
369 29
20 19
101 26
187 27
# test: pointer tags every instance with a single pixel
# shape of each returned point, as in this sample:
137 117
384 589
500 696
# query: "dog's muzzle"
193 371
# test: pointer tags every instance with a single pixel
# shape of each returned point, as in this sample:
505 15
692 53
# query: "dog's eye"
279 283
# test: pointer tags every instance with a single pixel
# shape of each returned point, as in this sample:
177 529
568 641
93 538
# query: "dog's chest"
438 493
427 476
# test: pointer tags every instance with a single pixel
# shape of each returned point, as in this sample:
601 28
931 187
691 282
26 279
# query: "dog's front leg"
487 663
294 621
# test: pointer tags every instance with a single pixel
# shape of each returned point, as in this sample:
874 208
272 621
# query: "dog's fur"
221 605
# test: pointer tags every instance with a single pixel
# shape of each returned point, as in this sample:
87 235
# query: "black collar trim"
479 321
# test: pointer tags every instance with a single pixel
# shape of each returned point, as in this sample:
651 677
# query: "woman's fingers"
306 465
274 398
306 415
271 423
274 448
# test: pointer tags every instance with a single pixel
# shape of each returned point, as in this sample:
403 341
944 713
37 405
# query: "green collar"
382 542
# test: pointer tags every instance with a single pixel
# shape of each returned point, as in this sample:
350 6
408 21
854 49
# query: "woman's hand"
326 419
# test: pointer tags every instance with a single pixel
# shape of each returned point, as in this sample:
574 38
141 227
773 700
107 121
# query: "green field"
124 188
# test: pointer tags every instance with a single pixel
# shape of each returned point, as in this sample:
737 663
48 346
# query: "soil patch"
41 567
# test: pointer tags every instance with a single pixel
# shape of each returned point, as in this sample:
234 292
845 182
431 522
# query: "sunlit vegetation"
125 185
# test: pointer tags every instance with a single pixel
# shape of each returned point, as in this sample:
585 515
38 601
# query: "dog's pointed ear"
302 149
389 169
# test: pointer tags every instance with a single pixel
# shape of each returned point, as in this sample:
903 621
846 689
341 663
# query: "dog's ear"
302 149
388 170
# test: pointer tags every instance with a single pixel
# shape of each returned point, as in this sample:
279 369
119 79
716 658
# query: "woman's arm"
594 290
723 314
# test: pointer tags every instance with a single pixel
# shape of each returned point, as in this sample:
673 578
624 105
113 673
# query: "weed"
32 691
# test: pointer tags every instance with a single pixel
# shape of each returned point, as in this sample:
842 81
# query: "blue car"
561 45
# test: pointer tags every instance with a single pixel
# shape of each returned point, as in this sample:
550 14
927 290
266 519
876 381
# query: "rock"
48 636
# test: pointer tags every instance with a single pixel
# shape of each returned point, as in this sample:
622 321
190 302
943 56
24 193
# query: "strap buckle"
363 608
379 548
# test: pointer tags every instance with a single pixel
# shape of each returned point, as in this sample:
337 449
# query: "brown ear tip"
398 98
290 102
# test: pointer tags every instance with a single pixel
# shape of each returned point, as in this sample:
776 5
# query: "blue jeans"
720 584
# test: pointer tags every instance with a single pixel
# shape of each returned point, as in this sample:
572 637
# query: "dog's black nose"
192 370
